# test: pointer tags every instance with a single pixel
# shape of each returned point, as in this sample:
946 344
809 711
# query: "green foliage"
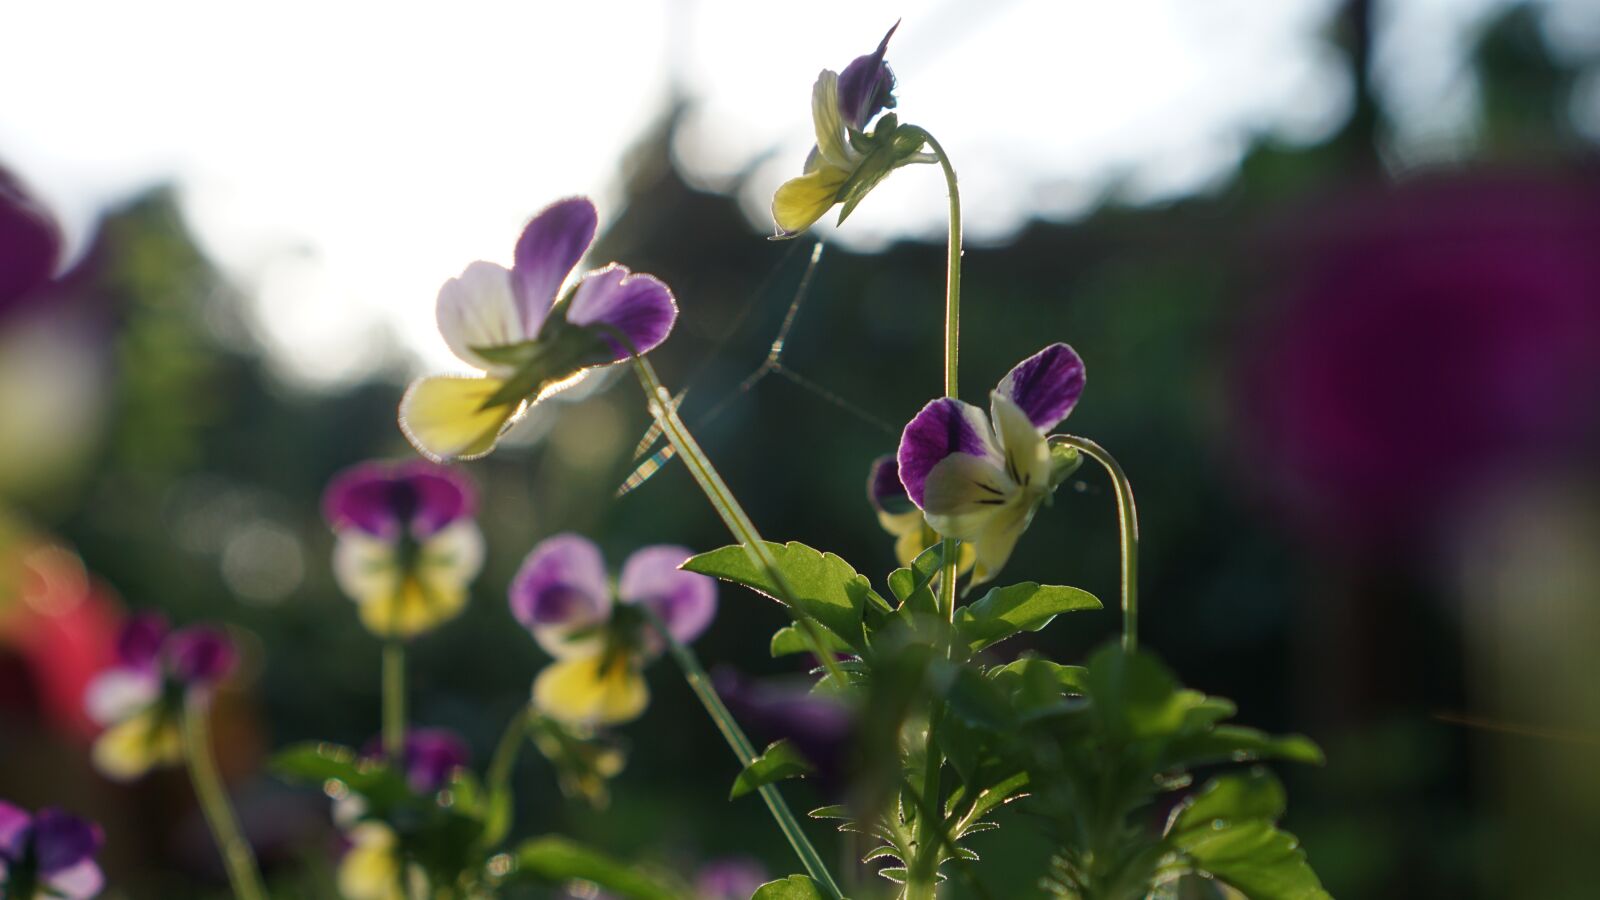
795 887
778 762
1228 830
556 860
890 147
825 588
1006 611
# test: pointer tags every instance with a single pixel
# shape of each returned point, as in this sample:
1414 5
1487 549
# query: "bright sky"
341 160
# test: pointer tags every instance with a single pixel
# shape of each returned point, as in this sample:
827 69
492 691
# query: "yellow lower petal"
444 418
591 691
136 745
421 604
800 202
370 869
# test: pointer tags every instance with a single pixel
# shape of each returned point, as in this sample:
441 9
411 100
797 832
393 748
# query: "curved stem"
498 775
237 857
700 683
1128 520
952 290
394 699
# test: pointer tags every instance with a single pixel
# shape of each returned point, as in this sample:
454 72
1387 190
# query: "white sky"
341 160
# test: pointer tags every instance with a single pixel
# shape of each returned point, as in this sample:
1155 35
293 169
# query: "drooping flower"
981 478
563 597
526 337
847 162
902 519
140 699
48 855
407 544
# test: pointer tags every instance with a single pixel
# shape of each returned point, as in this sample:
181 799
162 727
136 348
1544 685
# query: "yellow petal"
590 691
828 123
800 202
370 869
133 747
444 418
421 604
995 543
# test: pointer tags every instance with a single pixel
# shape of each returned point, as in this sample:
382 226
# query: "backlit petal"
866 86
686 602
562 590
1027 453
639 306
828 123
477 309
963 493
800 202
590 690
943 427
884 490
444 418
1046 385
996 541
547 251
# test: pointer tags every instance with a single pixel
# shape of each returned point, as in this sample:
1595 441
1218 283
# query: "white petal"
365 567
1027 452
999 537
478 309
963 492
829 126
118 693
453 555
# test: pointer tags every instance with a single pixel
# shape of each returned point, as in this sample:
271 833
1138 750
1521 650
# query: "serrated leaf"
1006 611
790 640
836 811
779 761
826 588
557 860
795 887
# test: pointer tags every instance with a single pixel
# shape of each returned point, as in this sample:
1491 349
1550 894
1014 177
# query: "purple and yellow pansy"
902 519
980 478
140 699
600 642
526 337
49 855
407 545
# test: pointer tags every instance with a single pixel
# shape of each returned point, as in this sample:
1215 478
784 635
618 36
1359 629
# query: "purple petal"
139 642
382 498
30 243
549 248
1046 385
884 488
61 840
866 86
639 306
432 755
562 583
201 656
685 601
943 427
14 822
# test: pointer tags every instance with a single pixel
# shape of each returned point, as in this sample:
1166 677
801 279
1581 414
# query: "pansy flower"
981 478
373 860
847 162
48 855
407 543
140 699
429 757
902 519
526 337
564 598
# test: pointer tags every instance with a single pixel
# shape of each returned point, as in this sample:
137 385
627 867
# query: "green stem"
733 515
700 683
1128 521
952 290
394 699
237 857
498 775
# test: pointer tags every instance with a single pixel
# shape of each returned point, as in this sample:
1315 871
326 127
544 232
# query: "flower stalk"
394 699
237 857
1128 523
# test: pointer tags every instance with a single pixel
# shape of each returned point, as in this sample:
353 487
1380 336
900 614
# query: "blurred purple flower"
431 757
201 656
50 854
821 728
30 244
1428 340
732 878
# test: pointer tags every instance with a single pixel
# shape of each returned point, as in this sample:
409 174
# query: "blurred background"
1334 268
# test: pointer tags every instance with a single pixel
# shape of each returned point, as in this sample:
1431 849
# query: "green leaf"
826 588
315 762
1135 697
789 640
977 700
779 761
1238 744
1254 795
893 147
1228 831
557 860
795 887
1038 686
1003 612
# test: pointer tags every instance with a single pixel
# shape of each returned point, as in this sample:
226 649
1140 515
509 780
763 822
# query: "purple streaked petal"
639 306
866 86
561 587
381 499
1046 385
62 840
14 829
201 655
139 642
30 243
685 601
549 248
884 489
943 427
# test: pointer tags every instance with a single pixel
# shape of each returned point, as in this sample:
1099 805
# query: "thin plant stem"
237 857
695 674
394 699
952 289
1128 522
506 751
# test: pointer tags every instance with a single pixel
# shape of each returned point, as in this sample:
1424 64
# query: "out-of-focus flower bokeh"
1334 268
